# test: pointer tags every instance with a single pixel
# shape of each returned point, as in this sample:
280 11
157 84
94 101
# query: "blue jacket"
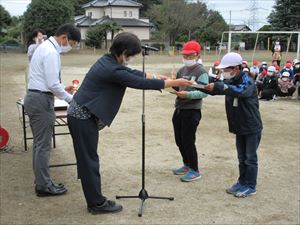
242 106
103 87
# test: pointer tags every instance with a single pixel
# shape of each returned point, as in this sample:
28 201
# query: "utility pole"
253 13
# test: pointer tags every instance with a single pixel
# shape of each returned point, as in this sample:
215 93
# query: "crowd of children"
271 81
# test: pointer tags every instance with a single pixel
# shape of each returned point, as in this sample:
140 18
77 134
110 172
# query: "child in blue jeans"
242 109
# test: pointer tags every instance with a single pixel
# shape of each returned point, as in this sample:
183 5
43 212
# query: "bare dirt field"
200 202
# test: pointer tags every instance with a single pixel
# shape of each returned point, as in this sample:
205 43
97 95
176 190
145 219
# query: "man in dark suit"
95 105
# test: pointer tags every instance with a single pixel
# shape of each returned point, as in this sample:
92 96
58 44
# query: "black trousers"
185 123
85 136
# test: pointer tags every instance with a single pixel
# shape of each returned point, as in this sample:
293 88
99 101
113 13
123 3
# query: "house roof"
241 27
85 21
105 3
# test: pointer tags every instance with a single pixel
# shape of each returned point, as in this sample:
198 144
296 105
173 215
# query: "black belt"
43 92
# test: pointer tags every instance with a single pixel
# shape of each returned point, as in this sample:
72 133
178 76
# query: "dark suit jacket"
103 87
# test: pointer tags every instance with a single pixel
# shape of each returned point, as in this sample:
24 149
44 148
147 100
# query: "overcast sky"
240 9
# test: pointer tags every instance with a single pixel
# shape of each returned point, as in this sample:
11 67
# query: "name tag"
235 102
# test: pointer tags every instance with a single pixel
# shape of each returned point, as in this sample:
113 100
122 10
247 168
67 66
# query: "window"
130 13
125 13
90 14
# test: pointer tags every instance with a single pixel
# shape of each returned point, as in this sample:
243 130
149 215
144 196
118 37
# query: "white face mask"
228 75
65 49
270 73
189 63
285 79
297 66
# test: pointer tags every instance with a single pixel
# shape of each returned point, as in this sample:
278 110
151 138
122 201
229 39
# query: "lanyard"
55 48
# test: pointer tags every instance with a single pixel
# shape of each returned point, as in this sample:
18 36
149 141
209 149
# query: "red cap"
191 47
289 61
75 82
216 63
255 62
264 72
288 65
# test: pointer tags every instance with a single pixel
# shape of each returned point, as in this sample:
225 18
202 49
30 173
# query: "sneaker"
191 175
181 171
245 191
234 188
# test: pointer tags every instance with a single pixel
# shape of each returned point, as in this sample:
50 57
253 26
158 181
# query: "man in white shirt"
44 84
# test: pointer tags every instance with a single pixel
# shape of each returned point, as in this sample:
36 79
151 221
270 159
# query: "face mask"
65 49
285 79
189 63
297 66
228 75
270 73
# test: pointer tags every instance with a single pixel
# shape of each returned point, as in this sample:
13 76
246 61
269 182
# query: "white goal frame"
257 35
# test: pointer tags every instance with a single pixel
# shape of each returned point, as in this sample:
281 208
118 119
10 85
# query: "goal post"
257 33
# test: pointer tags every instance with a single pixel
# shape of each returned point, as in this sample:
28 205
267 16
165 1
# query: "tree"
47 15
78 10
167 20
95 36
285 15
178 19
5 19
147 4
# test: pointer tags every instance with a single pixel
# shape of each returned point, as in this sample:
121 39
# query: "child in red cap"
187 114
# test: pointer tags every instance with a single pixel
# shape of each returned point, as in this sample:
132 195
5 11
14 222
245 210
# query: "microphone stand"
143 195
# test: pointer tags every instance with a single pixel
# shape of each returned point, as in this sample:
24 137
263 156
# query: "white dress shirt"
44 71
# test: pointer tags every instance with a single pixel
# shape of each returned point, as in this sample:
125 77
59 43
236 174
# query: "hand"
181 94
162 77
71 89
177 83
36 40
210 86
182 82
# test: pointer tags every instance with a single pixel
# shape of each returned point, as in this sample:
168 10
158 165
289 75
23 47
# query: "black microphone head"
146 47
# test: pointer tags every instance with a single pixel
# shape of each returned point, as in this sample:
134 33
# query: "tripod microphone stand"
143 195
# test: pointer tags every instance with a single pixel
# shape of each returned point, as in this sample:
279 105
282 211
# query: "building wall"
96 12
143 33
125 12
83 31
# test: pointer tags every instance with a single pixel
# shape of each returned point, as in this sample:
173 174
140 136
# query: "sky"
240 10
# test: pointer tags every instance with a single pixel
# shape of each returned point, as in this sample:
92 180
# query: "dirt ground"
200 202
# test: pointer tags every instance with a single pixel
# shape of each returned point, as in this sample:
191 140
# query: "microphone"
146 47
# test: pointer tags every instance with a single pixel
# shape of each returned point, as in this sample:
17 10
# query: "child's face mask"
189 62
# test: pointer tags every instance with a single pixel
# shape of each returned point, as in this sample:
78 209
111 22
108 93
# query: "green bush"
6 40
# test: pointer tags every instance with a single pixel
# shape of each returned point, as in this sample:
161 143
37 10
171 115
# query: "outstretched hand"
177 83
210 86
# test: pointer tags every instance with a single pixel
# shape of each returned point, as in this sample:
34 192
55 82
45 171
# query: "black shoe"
50 191
59 185
106 207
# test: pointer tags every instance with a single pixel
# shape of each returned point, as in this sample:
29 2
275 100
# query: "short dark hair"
232 67
70 30
126 43
36 31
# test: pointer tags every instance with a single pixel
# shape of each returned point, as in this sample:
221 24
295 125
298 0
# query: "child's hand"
181 94
210 86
